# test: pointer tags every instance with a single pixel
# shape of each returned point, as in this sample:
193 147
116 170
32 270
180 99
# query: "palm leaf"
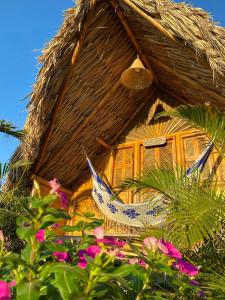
9 129
207 119
195 212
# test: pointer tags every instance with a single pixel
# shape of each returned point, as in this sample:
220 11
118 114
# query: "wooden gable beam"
62 92
146 60
131 36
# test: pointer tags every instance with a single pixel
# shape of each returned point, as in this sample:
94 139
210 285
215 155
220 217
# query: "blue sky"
25 26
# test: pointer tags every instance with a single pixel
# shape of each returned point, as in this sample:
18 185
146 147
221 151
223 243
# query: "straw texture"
95 103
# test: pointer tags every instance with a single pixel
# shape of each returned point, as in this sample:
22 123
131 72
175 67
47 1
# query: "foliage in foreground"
90 267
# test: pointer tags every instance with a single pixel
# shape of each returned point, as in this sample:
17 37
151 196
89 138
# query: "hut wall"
129 158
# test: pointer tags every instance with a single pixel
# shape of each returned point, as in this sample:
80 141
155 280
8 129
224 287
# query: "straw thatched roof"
78 95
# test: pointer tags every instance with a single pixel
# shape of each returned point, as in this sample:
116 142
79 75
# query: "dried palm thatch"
78 96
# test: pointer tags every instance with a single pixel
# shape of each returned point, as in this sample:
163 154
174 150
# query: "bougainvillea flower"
59 242
91 251
55 225
186 268
151 243
98 232
112 242
63 199
116 253
62 256
54 184
136 261
40 235
169 249
5 293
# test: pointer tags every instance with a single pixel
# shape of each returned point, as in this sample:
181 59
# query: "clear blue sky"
25 26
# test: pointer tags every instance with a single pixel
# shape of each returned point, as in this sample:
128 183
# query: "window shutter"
123 168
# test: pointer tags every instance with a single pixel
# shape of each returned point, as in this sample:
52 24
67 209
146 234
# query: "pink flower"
55 226
186 268
116 253
112 242
62 256
91 251
59 242
40 235
98 232
54 184
136 261
169 249
5 293
151 243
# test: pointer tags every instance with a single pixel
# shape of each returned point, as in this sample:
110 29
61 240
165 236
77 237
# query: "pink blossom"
169 249
59 242
54 184
55 226
186 268
62 256
98 232
40 235
111 241
116 253
5 293
136 261
91 251
151 243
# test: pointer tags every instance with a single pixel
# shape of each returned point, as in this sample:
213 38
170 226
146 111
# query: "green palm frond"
207 119
214 283
195 212
9 129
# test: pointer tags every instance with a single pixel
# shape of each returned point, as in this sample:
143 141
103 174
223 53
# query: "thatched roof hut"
78 97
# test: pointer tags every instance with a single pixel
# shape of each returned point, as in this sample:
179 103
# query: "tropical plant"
9 129
207 119
91 267
194 209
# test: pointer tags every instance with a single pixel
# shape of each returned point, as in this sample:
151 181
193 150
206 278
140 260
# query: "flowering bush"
91 266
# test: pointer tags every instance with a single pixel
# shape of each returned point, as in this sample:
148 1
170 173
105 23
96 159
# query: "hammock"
149 213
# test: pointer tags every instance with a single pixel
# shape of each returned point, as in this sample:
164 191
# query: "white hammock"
150 213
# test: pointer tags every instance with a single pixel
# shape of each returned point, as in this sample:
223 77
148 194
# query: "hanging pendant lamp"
137 77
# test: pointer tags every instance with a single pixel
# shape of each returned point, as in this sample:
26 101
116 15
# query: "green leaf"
28 290
58 214
72 271
65 283
13 259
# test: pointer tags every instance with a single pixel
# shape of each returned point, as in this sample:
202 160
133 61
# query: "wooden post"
131 36
62 92
103 143
150 20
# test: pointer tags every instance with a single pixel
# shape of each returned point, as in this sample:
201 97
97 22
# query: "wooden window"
123 168
158 156
181 148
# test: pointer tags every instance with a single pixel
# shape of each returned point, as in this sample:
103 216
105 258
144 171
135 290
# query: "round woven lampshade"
137 77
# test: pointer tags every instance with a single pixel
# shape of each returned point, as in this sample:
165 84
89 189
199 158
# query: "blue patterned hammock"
150 213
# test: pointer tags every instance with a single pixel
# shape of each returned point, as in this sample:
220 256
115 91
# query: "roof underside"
95 103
